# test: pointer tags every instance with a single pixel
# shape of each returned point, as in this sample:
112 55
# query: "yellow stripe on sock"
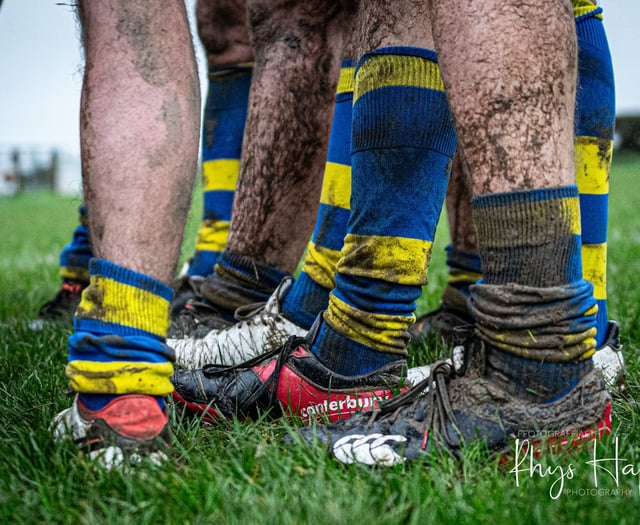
345 82
399 260
212 236
92 377
564 211
594 268
114 302
382 71
336 185
592 163
571 208
583 7
524 344
320 264
74 273
458 276
385 333
220 174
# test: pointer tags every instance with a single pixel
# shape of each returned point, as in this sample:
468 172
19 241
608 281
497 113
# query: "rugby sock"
594 121
118 346
532 306
594 125
309 295
75 256
464 270
403 140
222 130
239 281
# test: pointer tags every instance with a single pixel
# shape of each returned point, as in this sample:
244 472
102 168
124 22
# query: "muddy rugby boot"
260 328
125 432
451 409
61 308
286 381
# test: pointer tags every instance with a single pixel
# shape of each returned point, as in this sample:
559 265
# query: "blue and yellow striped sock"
222 130
594 125
119 342
464 270
532 300
75 256
238 281
403 140
309 295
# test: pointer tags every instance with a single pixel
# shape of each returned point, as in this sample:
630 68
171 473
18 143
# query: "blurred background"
41 76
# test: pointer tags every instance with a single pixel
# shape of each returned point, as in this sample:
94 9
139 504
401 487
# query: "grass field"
241 472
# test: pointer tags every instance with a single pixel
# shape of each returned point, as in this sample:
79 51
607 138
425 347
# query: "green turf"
241 472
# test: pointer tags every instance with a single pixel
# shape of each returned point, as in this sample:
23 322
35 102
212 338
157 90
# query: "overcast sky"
40 75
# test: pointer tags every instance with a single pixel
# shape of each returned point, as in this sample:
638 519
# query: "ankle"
96 402
531 380
347 357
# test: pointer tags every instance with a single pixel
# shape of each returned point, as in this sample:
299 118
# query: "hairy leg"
140 80
377 24
464 237
514 116
514 111
222 28
297 60
138 190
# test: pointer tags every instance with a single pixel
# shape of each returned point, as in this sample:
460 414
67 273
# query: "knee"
272 22
223 31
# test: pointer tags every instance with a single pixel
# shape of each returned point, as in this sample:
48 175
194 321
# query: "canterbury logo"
345 406
373 449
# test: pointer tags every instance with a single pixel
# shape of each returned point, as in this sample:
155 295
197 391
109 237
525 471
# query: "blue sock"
222 131
118 346
594 126
239 281
310 293
75 256
403 141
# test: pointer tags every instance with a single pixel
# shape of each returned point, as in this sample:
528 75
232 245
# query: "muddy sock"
403 141
532 380
222 130
464 270
118 346
239 281
532 301
310 293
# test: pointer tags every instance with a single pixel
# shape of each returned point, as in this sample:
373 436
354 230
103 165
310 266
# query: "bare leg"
138 190
514 113
300 303
140 80
594 113
286 140
464 237
516 133
296 68
222 28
